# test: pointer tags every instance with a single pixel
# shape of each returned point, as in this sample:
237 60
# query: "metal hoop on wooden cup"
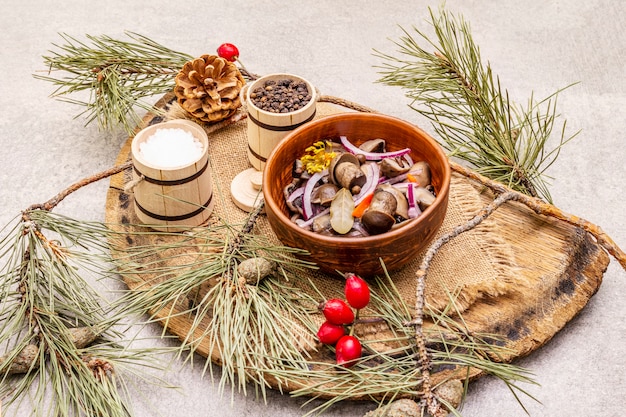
172 196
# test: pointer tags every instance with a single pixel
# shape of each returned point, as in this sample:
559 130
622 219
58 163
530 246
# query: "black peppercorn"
281 96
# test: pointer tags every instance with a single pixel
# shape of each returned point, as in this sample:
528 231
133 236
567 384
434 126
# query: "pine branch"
400 371
470 111
117 74
54 325
242 320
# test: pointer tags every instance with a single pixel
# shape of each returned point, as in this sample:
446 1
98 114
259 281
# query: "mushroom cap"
423 197
373 145
338 159
345 171
324 194
377 222
321 224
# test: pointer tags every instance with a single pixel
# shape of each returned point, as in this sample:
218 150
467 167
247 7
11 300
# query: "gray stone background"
534 45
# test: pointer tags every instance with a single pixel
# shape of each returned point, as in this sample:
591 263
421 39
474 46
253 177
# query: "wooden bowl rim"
442 196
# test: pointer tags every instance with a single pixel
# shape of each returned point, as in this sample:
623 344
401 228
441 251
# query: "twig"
431 402
236 243
54 201
346 103
244 71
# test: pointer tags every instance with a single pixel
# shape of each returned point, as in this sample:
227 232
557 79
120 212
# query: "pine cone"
208 87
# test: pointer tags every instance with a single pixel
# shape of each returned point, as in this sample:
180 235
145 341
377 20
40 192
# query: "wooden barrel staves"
266 128
172 181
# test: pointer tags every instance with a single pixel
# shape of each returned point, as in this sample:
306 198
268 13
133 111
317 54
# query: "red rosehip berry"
228 51
337 311
347 351
329 333
357 291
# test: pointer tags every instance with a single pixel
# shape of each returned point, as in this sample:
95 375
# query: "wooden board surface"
559 268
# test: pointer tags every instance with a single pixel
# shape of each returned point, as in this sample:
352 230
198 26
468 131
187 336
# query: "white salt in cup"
266 129
172 196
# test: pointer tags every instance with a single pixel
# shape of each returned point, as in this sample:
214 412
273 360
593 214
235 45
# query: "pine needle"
384 376
470 111
62 353
241 323
117 74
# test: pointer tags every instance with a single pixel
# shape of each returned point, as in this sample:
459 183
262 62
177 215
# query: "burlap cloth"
476 264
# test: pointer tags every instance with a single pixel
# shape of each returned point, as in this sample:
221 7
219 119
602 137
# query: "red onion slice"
306 224
372 176
307 208
371 156
414 209
295 194
401 177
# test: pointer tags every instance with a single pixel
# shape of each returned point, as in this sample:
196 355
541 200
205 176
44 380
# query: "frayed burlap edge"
463 290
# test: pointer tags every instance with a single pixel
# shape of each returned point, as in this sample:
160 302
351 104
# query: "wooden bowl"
360 255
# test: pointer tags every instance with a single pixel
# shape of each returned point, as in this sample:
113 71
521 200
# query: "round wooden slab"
552 268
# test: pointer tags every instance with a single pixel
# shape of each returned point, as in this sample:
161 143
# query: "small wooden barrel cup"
172 198
266 129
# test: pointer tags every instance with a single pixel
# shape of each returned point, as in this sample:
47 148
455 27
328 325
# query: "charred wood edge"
503 195
541 207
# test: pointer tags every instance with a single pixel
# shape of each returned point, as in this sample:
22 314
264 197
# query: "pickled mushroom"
388 189
373 145
421 172
379 216
423 197
345 171
297 168
293 197
321 224
392 167
324 194
402 208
